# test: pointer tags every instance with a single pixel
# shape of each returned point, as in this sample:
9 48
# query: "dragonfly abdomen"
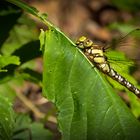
114 75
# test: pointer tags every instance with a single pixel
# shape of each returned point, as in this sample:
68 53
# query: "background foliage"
86 104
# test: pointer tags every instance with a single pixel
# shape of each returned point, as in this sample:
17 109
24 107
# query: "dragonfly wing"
125 40
132 39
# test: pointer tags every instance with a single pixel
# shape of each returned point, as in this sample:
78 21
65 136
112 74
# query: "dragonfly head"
83 42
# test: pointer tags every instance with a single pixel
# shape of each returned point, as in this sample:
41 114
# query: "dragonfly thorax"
94 52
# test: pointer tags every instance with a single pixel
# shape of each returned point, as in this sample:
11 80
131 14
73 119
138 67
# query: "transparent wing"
129 39
119 57
118 60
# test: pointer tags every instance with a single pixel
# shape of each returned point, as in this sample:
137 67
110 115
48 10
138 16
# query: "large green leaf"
87 106
6 119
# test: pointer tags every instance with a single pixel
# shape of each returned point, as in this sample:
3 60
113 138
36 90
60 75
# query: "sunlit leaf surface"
6 119
87 106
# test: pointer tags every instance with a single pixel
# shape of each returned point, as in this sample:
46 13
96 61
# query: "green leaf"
6 119
31 75
25 129
6 60
134 105
8 18
28 51
87 106
6 90
42 40
23 5
129 5
31 10
22 33
39 132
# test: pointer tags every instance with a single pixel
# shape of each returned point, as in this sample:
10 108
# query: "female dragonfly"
96 54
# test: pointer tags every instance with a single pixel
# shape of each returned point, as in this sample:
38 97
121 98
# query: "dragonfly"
96 55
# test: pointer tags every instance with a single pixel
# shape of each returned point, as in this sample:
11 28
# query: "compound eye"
88 43
81 45
82 39
77 42
80 42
